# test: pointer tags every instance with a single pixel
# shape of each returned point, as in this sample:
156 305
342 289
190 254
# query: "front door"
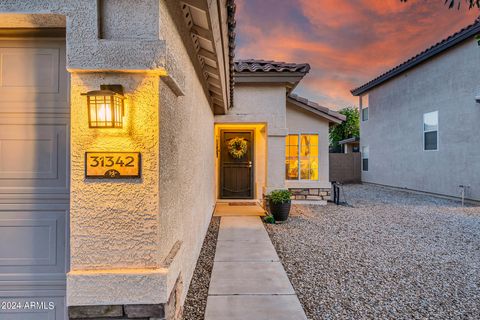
236 165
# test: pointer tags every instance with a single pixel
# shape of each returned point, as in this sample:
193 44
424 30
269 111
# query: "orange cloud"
347 43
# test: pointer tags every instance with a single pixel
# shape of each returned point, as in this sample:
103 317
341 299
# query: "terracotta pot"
280 211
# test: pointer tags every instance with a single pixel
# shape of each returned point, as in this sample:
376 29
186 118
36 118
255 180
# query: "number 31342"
111 161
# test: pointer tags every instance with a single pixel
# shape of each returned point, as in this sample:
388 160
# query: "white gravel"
394 255
196 300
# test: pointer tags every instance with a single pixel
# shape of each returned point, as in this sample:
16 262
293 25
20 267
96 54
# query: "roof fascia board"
315 111
265 77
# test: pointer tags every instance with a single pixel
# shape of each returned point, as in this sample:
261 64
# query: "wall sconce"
105 107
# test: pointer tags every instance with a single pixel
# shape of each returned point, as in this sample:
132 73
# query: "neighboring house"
117 235
288 134
418 120
350 145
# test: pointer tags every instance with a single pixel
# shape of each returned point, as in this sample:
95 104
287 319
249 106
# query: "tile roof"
252 65
316 108
437 48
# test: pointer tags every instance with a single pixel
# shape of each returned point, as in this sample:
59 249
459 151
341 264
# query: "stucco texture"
186 149
114 224
448 84
86 50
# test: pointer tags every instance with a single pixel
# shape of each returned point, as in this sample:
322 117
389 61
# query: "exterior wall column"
275 159
114 223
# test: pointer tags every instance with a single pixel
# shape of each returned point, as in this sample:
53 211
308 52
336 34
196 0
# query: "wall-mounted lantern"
105 107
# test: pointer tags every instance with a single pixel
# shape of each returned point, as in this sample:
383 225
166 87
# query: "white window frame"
299 135
425 131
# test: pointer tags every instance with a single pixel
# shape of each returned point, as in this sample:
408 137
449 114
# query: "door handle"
249 164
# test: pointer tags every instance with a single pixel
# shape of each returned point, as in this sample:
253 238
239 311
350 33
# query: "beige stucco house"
289 134
117 123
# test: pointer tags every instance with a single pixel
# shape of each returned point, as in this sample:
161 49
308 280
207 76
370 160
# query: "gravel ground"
196 301
393 255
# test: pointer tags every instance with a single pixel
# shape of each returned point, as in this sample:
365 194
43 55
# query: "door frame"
252 171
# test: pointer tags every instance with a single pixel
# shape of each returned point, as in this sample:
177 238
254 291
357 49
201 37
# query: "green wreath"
237 147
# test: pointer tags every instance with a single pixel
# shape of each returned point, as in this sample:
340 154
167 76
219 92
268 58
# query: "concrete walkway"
248 281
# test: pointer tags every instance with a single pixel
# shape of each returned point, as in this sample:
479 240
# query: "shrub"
279 196
269 219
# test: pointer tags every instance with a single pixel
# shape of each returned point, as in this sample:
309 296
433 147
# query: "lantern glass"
105 109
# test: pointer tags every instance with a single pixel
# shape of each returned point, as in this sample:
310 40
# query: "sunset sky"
347 43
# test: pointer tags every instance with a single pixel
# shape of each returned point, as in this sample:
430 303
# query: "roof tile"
252 65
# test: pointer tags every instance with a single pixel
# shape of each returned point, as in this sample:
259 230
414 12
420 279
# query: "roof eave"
329 117
215 28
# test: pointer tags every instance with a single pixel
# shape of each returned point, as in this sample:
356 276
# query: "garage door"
34 179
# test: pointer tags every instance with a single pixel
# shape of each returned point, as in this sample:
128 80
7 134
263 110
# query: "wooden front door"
236 165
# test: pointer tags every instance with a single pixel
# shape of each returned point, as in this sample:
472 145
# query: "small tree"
348 129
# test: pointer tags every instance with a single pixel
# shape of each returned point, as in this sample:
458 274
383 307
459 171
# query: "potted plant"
279 202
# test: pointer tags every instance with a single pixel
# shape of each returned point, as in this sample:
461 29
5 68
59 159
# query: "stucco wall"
447 83
86 50
264 104
131 239
187 176
301 121
114 223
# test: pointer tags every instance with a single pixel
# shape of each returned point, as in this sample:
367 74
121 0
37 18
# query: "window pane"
431 140
365 152
309 144
430 121
305 146
291 168
309 157
291 157
309 168
365 164
365 114
305 169
365 101
292 139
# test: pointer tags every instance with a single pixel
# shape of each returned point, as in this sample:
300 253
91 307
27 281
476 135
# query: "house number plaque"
112 165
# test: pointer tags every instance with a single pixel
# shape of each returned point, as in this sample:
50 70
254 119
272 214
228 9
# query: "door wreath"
237 147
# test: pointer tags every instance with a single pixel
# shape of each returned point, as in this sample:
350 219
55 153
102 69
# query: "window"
301 161
430 131
365 153
364 102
